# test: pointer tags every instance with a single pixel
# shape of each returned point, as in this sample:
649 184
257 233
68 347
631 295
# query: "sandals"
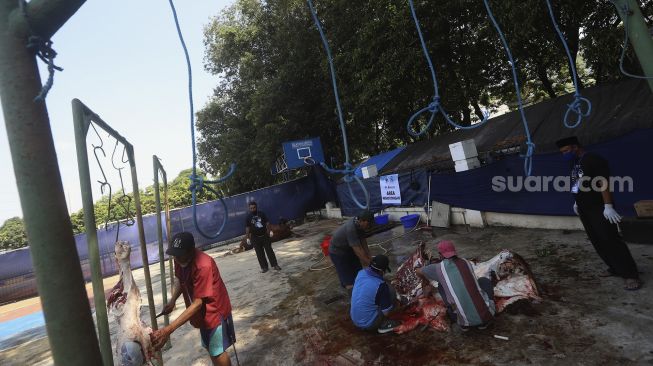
632 284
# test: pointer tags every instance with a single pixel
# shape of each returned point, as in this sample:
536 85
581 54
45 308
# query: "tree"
13 234
121 206
276 84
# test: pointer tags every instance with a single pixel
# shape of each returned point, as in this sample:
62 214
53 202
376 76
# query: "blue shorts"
218 339
347 266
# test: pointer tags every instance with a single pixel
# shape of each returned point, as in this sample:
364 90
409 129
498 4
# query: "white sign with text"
390 193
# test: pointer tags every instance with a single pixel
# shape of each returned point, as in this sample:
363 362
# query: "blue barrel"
410 221
381 219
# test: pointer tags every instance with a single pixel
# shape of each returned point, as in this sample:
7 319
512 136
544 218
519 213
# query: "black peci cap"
572 140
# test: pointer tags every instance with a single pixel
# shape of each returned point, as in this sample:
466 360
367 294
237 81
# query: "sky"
124 61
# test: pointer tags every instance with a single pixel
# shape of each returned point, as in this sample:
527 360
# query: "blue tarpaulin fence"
289 200
628 155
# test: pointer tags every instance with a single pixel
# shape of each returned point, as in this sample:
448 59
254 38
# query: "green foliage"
12 234
122 206
276 86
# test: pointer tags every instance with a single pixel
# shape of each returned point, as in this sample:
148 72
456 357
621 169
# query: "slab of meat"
406 281
133 344
425 310
514 278
513 282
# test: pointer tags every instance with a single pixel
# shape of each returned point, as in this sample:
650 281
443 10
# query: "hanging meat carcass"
133 345
514 281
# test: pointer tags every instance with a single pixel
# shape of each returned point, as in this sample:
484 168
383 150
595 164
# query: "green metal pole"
639 35
82 124
141 235
168 229
157 200
55 260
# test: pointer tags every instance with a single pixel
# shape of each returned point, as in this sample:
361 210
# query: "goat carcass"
133 345
514 278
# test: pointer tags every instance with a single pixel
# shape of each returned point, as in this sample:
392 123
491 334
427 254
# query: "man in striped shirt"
469 301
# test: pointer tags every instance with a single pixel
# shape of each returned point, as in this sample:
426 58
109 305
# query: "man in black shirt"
258 233
594 205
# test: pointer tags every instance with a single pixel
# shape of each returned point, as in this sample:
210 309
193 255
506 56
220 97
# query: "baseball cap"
181 244
380 263
447 249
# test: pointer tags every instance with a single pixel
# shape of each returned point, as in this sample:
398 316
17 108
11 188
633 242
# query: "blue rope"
348 170
530 146
434 107
197 182
577 105
42 48
626 14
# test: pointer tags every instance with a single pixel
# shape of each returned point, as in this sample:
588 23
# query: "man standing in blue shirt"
372 298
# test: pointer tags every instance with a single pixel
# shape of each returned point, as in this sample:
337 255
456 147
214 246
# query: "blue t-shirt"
369 297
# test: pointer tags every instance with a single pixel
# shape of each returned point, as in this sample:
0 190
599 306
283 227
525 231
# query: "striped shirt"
456 275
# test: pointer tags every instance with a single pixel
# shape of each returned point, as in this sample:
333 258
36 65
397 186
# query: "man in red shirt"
207 303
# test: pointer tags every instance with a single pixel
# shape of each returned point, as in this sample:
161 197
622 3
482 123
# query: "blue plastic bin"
410 221
381 219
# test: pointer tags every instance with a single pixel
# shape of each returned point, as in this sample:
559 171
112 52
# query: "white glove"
576 208
271 233
610 214
249 242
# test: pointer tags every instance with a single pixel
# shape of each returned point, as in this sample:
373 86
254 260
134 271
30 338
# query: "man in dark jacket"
258 233
590 176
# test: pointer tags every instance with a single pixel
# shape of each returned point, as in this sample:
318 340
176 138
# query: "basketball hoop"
309 161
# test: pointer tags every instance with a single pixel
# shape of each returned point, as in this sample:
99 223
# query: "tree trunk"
573 36
546 83
478 111
467 116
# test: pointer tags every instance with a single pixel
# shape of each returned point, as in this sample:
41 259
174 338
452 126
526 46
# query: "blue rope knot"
576 105
434 106
577 108
44 51
196 183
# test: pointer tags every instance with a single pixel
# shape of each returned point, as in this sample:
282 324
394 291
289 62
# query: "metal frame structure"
82 118
158 170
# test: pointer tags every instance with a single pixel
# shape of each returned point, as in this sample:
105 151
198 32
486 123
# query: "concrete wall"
478 219
533 221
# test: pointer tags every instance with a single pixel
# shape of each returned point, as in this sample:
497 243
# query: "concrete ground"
300 317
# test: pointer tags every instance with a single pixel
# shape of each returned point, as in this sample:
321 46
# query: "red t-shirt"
201 280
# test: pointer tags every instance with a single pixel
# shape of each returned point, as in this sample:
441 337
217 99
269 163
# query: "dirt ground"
300 317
